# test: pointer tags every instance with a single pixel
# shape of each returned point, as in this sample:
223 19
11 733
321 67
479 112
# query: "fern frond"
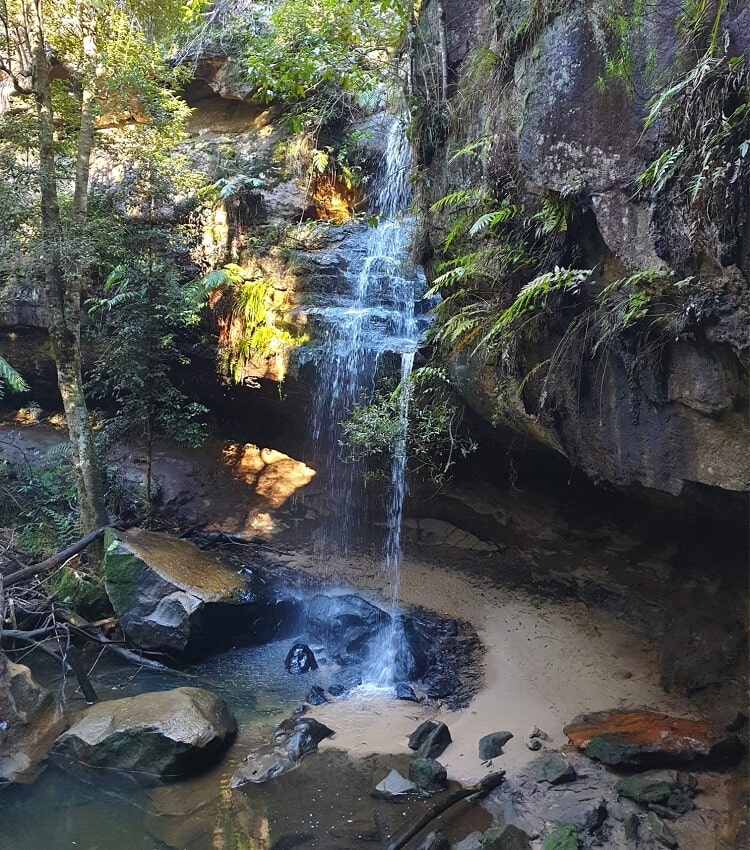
9 376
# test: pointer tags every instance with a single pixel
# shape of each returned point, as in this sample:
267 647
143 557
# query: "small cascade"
371 329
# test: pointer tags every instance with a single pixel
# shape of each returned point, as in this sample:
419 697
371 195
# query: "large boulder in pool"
153 736
346 625
30 720
172 597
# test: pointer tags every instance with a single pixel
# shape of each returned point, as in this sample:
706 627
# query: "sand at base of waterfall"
544 663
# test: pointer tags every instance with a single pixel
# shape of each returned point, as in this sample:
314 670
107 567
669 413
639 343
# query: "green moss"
563 838
122 572
81 592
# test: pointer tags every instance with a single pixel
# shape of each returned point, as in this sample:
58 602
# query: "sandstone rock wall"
529 80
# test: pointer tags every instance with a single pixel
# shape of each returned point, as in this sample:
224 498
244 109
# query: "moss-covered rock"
172 597
153 736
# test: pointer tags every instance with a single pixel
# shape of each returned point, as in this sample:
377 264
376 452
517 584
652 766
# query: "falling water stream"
375 321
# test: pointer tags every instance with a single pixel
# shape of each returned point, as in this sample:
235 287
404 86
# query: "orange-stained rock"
647 738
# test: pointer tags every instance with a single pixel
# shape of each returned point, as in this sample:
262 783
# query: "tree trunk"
443 50
64 298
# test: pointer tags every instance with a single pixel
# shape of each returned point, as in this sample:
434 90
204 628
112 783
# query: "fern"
459 198
9 376
492 219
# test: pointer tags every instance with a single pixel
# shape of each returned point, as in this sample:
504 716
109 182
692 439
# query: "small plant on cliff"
705 121
434 436
249 329
10 378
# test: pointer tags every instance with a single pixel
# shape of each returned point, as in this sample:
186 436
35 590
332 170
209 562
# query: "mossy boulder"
172 597
152 736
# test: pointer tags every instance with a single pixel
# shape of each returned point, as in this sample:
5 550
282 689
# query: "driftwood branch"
492 780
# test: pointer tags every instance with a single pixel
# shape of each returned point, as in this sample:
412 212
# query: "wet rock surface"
293 739
300 659
430 739
346 624
154 736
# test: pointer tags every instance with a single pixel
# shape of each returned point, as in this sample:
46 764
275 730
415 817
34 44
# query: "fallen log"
55 560
487 784
61 557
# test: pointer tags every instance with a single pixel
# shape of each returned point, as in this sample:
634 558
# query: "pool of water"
325 803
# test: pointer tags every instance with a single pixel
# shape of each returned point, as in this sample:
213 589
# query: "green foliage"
140 317
39 501
321 57
434 437
252 329
704 116
80 590
10 378
644 300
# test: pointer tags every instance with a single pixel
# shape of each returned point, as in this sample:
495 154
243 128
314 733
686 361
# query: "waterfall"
372 327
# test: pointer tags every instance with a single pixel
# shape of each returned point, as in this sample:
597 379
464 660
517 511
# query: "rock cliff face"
548 104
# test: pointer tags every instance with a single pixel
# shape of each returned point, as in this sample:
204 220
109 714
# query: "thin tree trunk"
443 49
64 295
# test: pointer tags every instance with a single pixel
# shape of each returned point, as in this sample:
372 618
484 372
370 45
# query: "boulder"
505 837
293 739
660 831
345 680
170 596
300 659
650 739
585 813
30 720
492 745
405 692
345 624
394 785
410 661
165 735
316 696
667 788
555 769
430 739
428 774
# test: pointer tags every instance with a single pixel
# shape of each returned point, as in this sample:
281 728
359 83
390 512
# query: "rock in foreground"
649 739
153 736
30 720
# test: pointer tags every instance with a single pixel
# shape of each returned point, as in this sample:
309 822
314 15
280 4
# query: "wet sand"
544 663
